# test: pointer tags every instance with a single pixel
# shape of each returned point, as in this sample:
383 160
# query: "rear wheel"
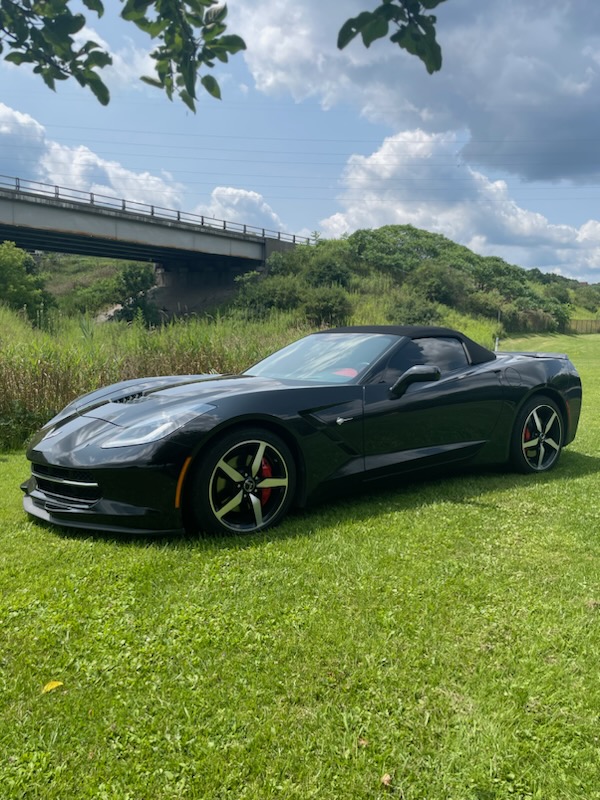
245 483
537 436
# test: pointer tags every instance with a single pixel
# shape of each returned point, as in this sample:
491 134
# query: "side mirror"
421 373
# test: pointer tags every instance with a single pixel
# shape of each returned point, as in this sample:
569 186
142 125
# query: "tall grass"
42 370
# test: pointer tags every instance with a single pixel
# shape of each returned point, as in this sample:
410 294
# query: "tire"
538 436
244 483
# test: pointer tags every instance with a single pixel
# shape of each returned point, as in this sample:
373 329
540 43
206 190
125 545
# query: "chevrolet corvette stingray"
233 453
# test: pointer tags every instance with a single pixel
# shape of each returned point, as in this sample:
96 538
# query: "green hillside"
416 277
396 273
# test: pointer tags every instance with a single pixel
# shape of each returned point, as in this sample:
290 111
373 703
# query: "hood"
128 401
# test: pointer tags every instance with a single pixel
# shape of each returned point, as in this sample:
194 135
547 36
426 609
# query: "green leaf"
94 5
20 28
66 24
187 70
352 27
424 46
99 59
191 34
53 36
47 78
135 9
211 86
152 27
432 58
212 32
376 29
20 58
391 12
188 100
232 43
415 34
216 14
98 88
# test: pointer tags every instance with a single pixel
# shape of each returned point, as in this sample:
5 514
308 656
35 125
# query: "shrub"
328 273
258 295
329 306
133 288
20 286
486 304
411 308
440 283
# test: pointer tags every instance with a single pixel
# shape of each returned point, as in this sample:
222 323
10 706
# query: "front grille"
66 485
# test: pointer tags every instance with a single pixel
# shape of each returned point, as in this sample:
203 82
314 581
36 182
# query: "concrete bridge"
191 252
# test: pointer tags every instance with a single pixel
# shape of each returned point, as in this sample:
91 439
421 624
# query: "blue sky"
500 151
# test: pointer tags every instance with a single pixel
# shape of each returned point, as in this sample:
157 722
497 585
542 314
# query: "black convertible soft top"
477 353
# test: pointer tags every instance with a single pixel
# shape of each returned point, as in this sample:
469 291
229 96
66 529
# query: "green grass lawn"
438 641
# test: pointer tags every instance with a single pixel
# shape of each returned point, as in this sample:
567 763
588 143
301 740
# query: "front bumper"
139 501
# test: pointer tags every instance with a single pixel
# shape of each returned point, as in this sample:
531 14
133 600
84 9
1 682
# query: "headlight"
156 428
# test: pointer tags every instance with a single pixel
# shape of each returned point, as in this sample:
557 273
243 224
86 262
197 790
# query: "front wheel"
245 483
537 436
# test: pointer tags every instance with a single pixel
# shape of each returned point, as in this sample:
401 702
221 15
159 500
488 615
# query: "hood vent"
137 397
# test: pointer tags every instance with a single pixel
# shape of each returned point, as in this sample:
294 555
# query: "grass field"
438 641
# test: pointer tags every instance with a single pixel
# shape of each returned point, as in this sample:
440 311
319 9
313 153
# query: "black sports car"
234 452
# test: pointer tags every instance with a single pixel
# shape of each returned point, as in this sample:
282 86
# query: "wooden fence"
584 326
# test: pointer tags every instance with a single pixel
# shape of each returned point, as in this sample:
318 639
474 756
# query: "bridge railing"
133 206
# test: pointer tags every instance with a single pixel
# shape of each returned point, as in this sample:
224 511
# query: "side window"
407 356
446 353
443 352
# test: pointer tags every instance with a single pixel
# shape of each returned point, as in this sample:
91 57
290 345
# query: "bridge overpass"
190 250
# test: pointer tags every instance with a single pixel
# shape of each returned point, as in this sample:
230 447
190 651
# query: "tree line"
429 274
424 274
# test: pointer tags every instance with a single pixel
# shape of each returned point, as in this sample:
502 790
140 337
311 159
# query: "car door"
337 448
432 422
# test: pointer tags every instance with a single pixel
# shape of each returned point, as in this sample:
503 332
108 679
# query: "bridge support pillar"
186 288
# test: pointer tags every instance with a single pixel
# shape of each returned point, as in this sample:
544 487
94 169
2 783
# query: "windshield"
325 357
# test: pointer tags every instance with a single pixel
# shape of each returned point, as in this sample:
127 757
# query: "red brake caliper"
266 472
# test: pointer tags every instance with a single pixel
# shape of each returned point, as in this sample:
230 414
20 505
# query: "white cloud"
80 168
240 205
283 38
417 178
517 96
522 78
27 152
22 142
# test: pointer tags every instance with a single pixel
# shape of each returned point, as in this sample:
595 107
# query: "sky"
499 151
